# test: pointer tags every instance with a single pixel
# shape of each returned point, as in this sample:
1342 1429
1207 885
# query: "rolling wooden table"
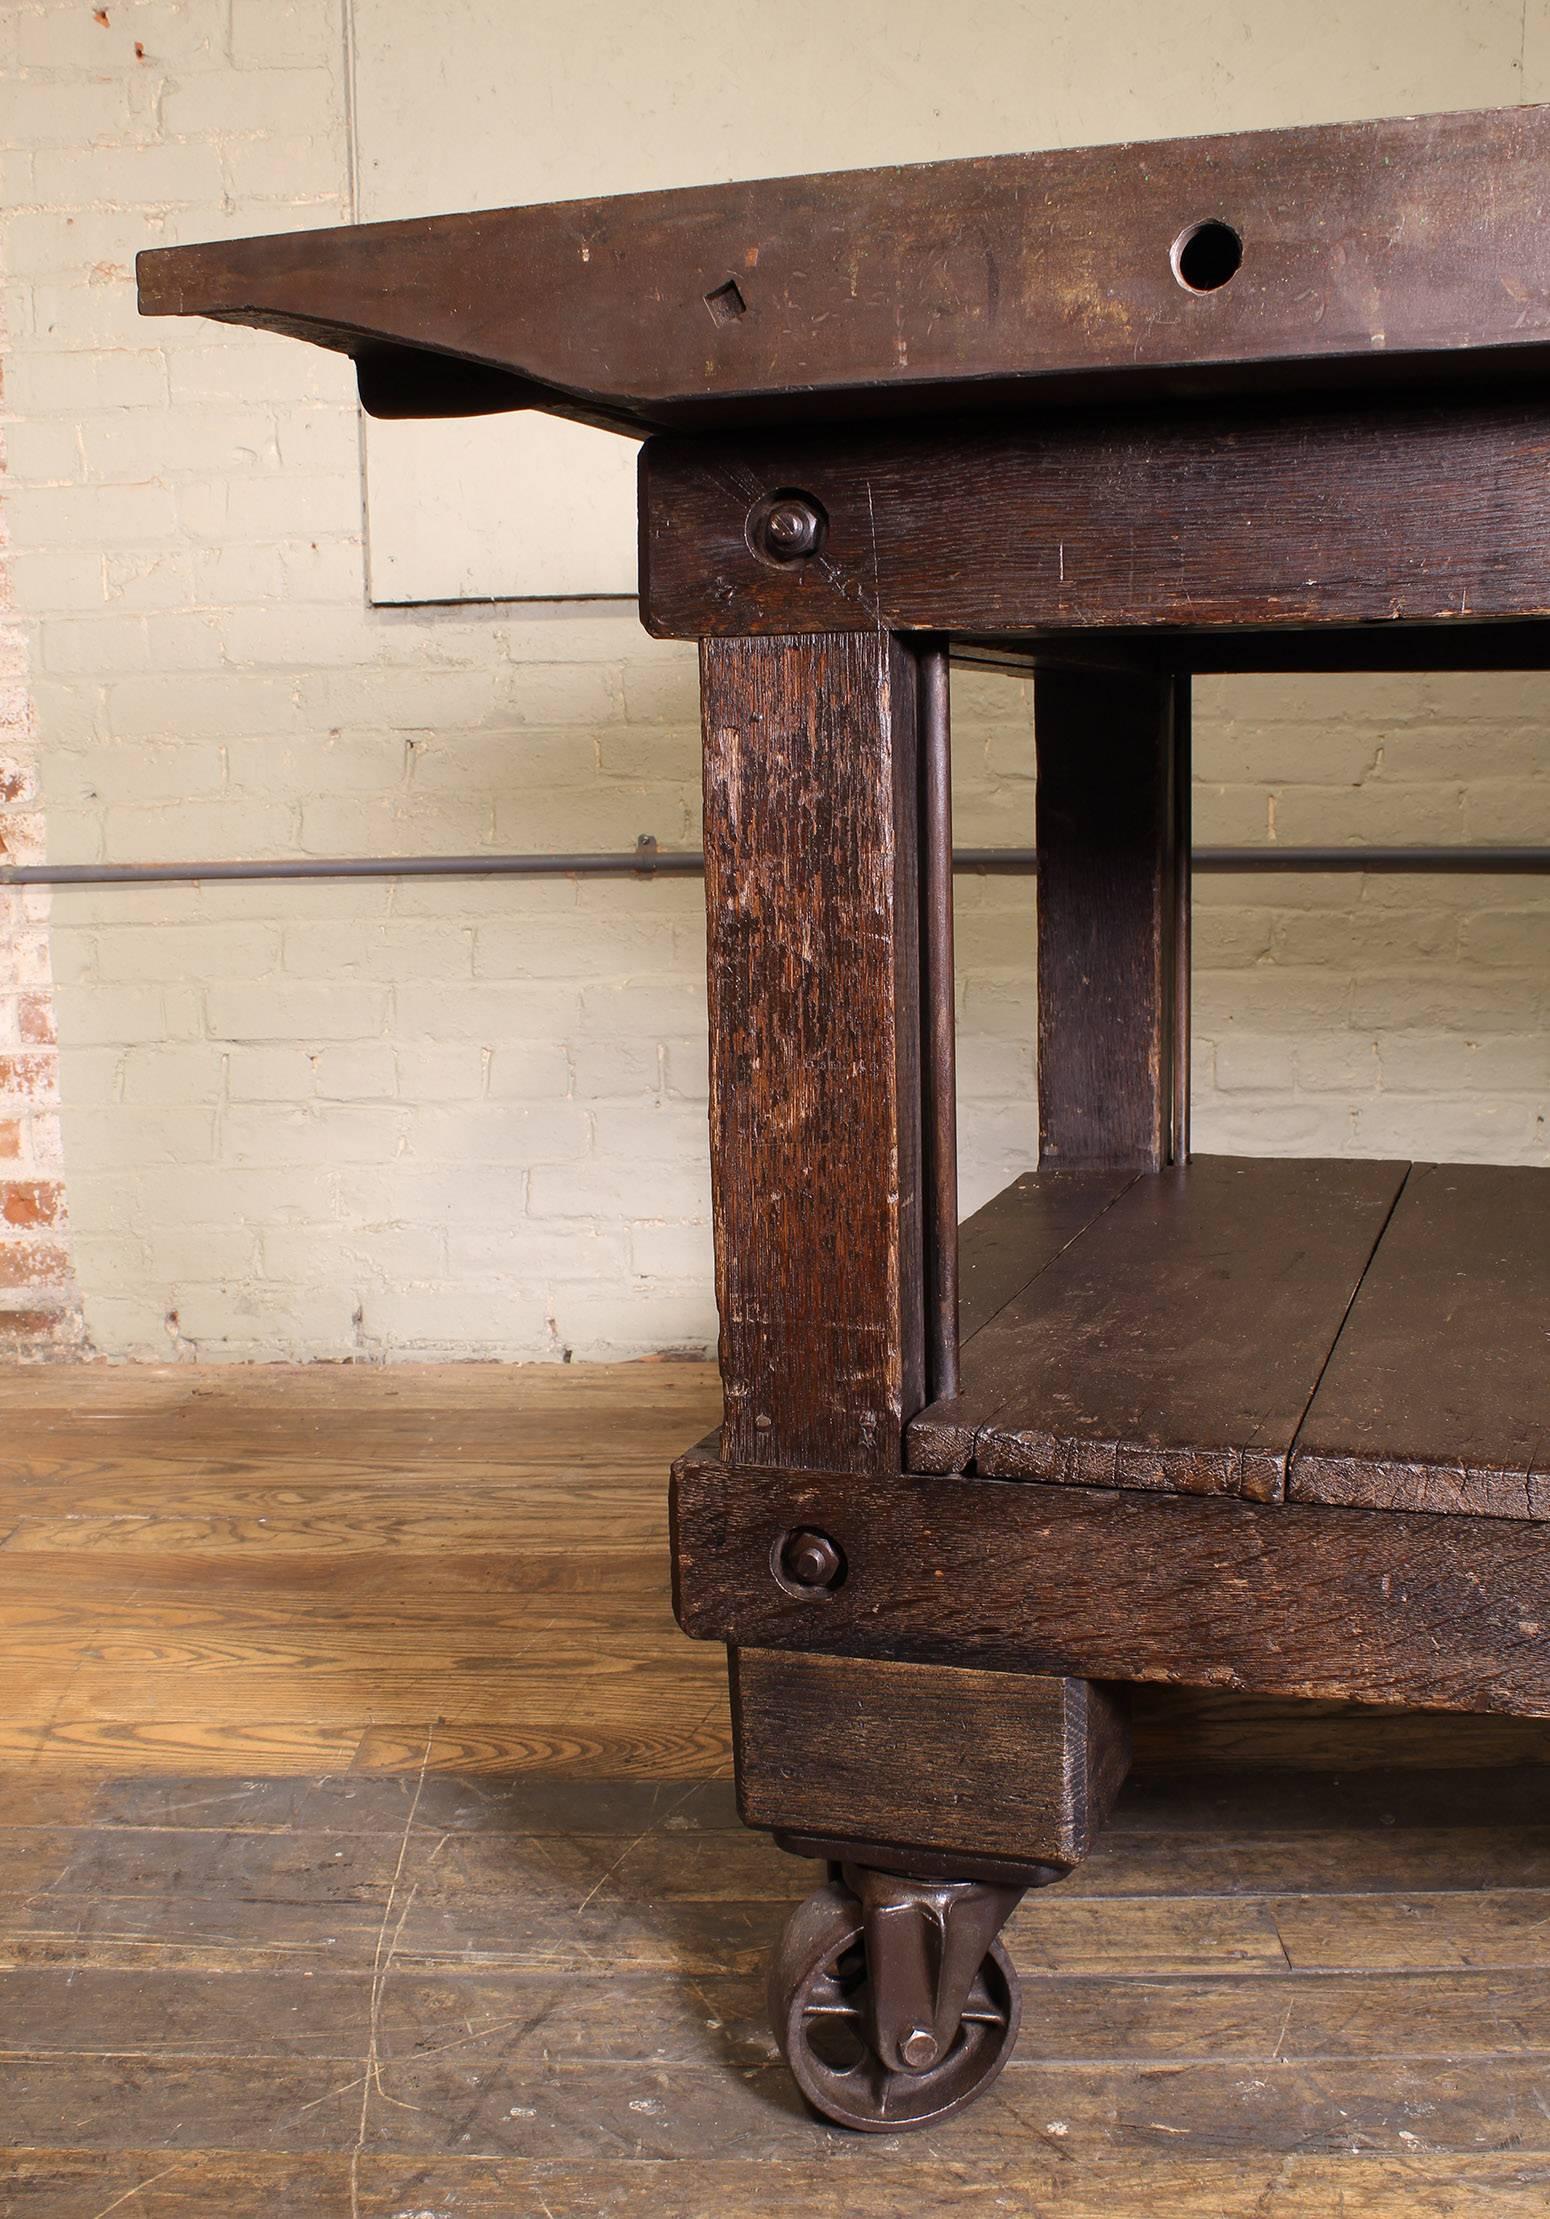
1114 416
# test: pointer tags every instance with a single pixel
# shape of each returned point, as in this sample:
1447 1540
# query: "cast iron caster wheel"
823 2014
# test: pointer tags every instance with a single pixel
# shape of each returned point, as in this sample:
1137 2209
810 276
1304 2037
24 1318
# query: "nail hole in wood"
1206 256
726 303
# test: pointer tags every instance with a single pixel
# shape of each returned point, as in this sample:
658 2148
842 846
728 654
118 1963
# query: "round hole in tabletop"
1205 256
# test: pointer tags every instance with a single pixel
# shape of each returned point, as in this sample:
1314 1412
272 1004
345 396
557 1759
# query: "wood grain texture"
1446 1613
1121 2182
1111 881
811 901
1021 278
1017 1231
1438 1394
1177 1341
1017 1234
560 1936
990 1764
1188 519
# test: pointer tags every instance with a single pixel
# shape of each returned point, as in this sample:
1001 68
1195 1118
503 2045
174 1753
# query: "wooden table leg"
811 887
1113 842
825 795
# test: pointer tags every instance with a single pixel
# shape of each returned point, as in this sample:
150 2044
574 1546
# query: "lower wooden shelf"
1375 1335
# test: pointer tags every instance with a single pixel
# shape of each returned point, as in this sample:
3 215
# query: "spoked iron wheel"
855 2056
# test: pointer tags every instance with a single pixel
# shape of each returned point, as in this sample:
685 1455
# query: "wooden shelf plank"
1001 1249
1437 1396
1177 1341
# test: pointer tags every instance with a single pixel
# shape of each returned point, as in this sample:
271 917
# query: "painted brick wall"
467 1119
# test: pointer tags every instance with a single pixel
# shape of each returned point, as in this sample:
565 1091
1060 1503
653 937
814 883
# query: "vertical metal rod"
1181 983
940 1105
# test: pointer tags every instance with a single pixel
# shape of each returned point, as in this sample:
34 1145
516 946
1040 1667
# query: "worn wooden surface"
811 897
1438 1395
1447 1613
1178 1340
1002 1247
1523 645
1429 514
1019 277
370 1966
993 1764
241 1978
1109 905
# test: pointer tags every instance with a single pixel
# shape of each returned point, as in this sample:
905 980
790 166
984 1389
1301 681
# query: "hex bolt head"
919 2048
788 527
811 1561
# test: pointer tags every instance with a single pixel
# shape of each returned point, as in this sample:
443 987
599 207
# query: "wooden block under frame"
983 1764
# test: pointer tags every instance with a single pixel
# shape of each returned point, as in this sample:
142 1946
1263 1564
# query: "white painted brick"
611 1191
362 1071
45 382
95 516
528 1250
295 1010
394 823
44 451
71 115
198 831
224 705
132 1135
184 952
265 368
519 1133
101 646
322 1133
493 1016
285 103
158 1072
283 34
64 578
268 506
280 1074
442 1320
627 1070
157 581
179 1253
522 1069
133 771
629 1322
679 1254
453 1071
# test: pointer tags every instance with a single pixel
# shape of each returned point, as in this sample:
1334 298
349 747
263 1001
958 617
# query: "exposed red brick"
10 1139
31 1202
43 1323
31 1078
35 1015
14 783
34 1265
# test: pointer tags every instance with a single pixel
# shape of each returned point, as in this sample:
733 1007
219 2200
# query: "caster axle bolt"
919 2048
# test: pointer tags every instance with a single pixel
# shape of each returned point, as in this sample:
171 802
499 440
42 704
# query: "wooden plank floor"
367 1851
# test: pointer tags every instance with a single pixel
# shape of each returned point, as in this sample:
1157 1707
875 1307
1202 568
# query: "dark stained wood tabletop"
1351 253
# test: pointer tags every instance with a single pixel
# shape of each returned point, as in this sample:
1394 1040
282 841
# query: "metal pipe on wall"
647 860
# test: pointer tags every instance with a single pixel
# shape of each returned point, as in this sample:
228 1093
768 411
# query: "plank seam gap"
1339 1335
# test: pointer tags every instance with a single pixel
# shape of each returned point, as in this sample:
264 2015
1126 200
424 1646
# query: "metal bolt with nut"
786 527
810 1562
